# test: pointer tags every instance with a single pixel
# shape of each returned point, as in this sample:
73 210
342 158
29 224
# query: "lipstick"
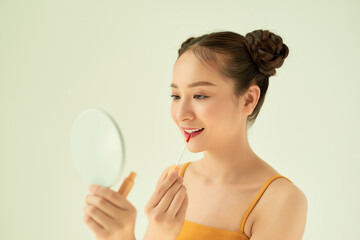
176 166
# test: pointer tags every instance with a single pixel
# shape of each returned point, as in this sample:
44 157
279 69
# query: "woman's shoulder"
282 188
280 192
282 185
282 202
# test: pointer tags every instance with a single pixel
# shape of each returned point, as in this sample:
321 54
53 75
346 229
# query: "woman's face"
207 106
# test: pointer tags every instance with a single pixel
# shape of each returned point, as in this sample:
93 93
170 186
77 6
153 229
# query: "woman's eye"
172 96
194 96
201 96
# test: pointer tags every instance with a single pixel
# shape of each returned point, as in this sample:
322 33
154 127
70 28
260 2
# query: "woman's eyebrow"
195 84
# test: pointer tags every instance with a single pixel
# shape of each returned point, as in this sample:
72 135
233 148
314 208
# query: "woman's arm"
285 219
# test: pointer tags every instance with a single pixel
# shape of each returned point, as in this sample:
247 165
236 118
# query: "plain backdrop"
58 58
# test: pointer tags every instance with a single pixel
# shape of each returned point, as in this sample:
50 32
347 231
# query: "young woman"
219 85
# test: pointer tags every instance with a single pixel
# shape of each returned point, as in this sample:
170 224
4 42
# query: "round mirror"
97 148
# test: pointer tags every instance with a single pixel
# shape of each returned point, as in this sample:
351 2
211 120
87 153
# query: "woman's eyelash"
194 95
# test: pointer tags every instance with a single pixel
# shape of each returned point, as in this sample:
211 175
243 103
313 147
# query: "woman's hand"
109 214
166 209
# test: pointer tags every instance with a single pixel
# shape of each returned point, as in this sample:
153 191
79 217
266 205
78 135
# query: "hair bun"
267 50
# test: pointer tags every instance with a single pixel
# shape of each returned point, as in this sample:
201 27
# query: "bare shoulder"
282 212
283 191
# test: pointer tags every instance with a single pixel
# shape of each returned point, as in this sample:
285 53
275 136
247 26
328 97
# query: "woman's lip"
194 134
189 128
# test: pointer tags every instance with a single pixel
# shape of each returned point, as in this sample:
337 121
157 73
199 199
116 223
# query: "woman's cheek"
173 112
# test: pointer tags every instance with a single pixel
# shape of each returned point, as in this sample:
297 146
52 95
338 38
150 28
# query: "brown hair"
247 60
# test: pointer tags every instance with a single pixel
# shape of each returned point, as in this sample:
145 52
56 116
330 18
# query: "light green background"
58 58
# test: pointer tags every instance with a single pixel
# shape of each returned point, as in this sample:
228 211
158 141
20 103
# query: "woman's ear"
250 99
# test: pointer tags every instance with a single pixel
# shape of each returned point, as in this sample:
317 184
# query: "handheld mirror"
97 148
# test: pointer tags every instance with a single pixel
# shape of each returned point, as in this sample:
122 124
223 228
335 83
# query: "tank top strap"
257 198
182 170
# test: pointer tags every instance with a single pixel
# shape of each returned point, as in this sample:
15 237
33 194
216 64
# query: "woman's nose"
185 111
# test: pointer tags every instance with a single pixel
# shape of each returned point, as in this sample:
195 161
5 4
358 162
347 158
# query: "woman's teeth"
195 130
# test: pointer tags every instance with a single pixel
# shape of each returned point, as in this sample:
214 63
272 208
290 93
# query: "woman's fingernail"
175 173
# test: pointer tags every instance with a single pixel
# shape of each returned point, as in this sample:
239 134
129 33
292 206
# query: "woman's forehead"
189 72
191 64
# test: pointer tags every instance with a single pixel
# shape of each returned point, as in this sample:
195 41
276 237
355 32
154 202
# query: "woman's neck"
228 165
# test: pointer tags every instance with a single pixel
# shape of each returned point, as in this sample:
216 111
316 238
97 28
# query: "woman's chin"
194 149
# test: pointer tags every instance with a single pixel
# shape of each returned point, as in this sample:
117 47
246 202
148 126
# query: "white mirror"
97 148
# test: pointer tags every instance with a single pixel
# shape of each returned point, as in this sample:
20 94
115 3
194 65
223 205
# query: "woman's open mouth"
193 134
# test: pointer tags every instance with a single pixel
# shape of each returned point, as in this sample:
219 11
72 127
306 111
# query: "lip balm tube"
127 184
175 166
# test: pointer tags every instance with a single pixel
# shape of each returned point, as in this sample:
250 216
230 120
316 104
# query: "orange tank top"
192 230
